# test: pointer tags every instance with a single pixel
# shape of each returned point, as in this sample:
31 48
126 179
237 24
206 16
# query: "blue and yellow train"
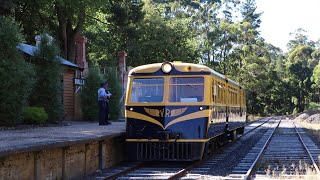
181 111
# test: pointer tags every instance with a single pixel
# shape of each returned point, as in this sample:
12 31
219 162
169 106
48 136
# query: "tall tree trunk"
62 33
67 34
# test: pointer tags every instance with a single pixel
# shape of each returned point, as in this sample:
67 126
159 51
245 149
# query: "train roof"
179 67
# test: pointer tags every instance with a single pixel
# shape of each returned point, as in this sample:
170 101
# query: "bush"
16 76
115 89
35 115
313 106
89 95
48 89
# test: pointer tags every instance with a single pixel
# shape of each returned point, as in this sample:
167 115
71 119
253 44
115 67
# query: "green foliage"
209 32
10 37
143 33
121 28
35 115
48 89
300 39
16 75
63 18
249 13
299 75
115 89
316 75
89 97
313 106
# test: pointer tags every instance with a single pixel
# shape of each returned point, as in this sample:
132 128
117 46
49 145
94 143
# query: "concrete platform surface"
33 139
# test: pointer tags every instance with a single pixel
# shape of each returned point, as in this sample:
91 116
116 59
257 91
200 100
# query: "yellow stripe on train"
139 116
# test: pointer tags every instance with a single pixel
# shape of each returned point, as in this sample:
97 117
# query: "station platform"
68 151
72 132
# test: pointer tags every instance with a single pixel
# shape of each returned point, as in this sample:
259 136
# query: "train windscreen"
147 90
186 89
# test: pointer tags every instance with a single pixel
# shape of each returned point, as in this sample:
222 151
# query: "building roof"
30 50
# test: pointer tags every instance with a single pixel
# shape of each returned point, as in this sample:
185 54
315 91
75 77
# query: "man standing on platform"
103 100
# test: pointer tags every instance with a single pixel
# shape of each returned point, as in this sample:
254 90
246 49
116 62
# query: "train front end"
166 113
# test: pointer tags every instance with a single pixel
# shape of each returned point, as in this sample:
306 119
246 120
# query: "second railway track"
285 152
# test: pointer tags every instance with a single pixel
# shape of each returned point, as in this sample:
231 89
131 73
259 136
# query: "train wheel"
222 139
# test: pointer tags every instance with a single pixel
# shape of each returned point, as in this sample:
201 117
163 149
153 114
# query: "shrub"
35 115
48 89
89 94
115 89
16 76
313 106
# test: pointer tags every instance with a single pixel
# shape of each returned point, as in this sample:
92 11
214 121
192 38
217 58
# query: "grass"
297 170
253 117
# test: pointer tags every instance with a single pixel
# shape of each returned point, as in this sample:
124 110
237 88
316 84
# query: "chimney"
37 38
81 53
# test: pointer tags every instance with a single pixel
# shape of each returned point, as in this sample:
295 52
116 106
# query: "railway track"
284 152
147 170
216 161
194 170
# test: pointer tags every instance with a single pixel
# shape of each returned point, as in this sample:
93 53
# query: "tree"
299 38
143 33
48 89
249 14
89 98
116 23
66 19
17 76
316 80
115 89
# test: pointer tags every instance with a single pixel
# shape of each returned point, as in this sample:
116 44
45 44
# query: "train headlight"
166 67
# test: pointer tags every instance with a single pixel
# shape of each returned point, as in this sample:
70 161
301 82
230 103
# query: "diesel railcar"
180 111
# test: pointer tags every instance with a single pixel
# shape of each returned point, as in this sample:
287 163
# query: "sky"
282 17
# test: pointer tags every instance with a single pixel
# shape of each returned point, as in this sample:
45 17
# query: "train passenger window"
219 93
214 91
188 89
147 90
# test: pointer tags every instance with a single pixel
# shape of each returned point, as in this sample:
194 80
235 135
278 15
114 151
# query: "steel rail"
124 172
247 175
256 127
183 172
309 153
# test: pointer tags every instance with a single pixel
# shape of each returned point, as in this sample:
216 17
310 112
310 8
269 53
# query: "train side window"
214 91
219 92
224 94
229 96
